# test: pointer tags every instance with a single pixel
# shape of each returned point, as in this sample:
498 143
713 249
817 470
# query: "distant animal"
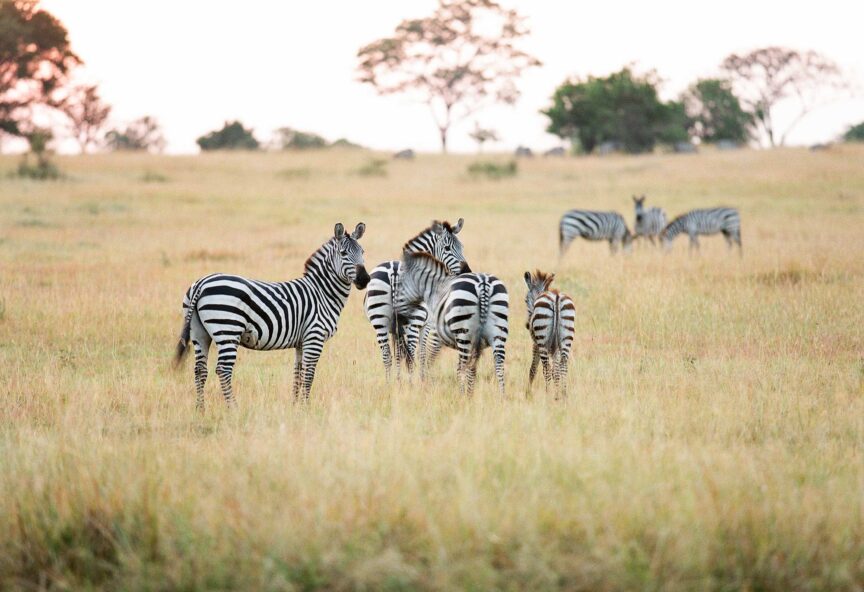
469 312
706 222
594 226
524 152
557 151
401 323
302 314
649 223
552 325
407 154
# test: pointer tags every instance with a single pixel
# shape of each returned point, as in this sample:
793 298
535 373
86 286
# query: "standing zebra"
711 221
552 325
649 223
234 311
469 313
594 226
403 322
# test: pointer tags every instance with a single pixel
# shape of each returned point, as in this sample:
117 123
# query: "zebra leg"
201 341
498 357
311 354
225 369
563 361
694 243
383 343
298 371
651 238
613 246
468 363
431 351
535 360
544 360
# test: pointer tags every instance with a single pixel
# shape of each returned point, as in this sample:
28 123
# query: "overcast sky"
196 63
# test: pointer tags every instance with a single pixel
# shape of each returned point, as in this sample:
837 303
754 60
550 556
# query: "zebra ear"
437 227
458 226
339 230
358 231
528 278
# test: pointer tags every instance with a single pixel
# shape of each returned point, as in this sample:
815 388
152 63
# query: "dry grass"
712 441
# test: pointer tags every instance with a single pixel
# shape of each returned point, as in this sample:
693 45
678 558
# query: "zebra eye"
343 252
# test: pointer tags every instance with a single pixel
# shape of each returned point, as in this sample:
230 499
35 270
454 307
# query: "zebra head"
537 283
639 204
347 255
447 247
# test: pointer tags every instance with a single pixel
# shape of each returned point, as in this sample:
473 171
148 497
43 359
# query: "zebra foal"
648 223
705 222
552 325
594 226
234 312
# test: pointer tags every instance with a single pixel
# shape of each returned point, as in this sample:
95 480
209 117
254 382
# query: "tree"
855 133
232 136
87 114
623 108
35 57
483 135
291 139
142 134
770 75
458 60
716 113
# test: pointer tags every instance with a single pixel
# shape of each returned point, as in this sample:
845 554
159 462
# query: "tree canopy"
232 136
458 60
855 133
86 113
35 58
623 108
142 134
715 113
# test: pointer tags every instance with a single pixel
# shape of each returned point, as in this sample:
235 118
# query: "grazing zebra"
711 221
403 322
234 311
594 226
552 325
649 223
469 313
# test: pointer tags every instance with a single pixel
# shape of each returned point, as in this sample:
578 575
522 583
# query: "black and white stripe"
469 312
648 223
233 311
706 222
593 226
402 323
552 325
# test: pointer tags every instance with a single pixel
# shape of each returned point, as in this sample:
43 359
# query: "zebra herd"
649 223
428 299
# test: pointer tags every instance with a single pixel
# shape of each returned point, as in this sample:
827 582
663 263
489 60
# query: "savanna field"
713 438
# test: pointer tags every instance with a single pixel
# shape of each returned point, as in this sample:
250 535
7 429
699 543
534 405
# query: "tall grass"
712 439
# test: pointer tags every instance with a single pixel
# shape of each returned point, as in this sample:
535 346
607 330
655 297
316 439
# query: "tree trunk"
443 131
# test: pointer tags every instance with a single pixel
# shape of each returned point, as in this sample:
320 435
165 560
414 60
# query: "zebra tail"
485 293
186 332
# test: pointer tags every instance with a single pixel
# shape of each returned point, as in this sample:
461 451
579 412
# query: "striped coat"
648 223
722 220
552 325
232 312
593 226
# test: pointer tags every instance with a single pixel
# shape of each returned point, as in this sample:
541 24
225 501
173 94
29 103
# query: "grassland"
713 439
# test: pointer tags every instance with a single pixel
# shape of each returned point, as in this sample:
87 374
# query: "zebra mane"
318 257
542 276
674 227
427 232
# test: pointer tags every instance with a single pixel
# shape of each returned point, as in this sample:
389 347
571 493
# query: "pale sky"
196 63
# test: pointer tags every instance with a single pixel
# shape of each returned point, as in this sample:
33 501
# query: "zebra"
594 226
403 323
649 223
710 221
552 325
302 314
468 313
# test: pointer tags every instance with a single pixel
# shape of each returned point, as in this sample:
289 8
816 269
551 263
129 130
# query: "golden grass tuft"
712 439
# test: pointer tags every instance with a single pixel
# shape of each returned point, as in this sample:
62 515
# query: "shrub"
855 133
493 170
376 167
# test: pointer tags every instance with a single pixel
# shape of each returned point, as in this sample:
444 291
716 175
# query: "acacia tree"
482 135
86 114
140 135
770 75
35 58
458 60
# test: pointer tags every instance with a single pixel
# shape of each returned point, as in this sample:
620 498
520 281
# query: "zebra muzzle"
362 278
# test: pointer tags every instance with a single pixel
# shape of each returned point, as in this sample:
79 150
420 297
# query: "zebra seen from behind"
401 323
552 325
594 226
468 313
234 312
705 222
648 223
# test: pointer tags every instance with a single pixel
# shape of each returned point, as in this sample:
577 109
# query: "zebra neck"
321 275
422 243
675 228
